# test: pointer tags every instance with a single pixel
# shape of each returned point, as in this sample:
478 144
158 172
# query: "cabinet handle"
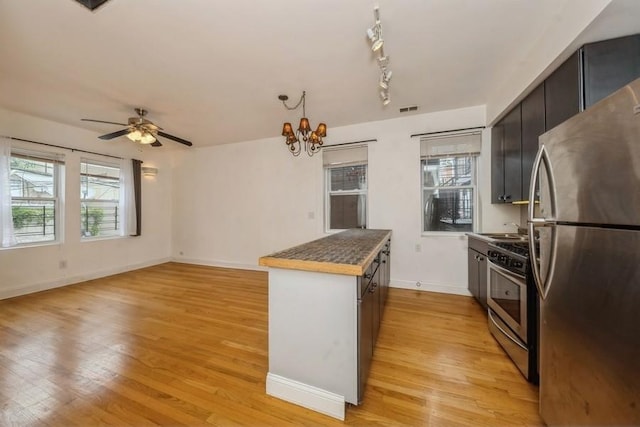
373 287
384 261
480 258
367 276
508 197
475 257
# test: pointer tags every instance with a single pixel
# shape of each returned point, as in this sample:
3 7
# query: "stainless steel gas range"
513 304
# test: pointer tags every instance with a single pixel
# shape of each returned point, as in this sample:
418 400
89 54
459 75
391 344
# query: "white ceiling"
211 71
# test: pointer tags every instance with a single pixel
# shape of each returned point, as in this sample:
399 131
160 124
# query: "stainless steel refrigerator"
585 249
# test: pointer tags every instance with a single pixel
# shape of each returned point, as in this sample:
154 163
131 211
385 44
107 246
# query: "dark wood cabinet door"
609 65
473 265
497 163
512 152
532 127
562 92
482 280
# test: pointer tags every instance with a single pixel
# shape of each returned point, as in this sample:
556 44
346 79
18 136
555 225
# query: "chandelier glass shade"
303 136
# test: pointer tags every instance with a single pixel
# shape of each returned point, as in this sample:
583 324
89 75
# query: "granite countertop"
349 252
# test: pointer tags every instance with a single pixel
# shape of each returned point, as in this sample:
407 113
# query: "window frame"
329 192
473 186
117 233
57 162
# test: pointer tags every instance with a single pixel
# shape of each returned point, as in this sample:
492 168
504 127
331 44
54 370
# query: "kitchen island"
326 299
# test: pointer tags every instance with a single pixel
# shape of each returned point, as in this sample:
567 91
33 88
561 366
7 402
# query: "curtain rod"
350 143
448 131
59 146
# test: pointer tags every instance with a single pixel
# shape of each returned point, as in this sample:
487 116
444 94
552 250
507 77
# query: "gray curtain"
137 191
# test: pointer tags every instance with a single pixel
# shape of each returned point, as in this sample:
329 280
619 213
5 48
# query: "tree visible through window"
100 199
34 198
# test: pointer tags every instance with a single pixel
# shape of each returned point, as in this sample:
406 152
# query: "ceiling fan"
139 129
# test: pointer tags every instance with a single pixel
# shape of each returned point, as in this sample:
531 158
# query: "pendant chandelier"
304 136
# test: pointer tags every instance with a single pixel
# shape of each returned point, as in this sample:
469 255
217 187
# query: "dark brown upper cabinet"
592 73
497 163
562 92
506 159
608 65
533 125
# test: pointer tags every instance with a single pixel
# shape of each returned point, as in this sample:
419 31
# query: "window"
35 204
100 214
448 170
346 187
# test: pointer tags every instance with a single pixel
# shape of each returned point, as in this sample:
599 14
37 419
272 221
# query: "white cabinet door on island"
325 304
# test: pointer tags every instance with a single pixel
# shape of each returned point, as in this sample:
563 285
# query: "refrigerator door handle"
532 222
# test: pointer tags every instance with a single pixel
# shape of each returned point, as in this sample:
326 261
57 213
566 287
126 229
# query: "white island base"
313 339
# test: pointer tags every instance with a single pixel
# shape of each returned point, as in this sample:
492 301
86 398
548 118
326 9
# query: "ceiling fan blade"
102 121
115 134
156 143
175 138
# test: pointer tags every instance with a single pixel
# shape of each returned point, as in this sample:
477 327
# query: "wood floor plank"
179 344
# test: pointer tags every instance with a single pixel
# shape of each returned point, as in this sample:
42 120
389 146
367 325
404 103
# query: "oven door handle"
505 333
508 272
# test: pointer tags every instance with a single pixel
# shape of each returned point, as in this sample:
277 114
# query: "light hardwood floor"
178 344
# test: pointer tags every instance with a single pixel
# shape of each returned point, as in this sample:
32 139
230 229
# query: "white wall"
29 269
234 203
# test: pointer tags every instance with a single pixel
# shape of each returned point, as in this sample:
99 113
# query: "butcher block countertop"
349 252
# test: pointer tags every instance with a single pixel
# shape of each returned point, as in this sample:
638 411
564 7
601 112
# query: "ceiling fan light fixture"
147 138
140 130
135 135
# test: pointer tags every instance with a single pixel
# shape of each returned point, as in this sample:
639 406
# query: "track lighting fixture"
375 37
385 78
312 140
384 94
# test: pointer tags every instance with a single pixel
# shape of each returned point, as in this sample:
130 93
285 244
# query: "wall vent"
407 109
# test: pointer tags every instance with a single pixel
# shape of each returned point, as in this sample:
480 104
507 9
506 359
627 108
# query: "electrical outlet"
311 215
418 247
180 253
62 264
418 284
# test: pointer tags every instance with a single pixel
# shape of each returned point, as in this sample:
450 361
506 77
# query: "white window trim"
328 193
58 164
474 187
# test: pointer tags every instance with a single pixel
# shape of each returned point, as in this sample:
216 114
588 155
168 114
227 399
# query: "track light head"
375 37
386 99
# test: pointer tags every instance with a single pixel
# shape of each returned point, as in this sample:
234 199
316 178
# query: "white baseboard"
65 281
430 287
222 264
305 395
